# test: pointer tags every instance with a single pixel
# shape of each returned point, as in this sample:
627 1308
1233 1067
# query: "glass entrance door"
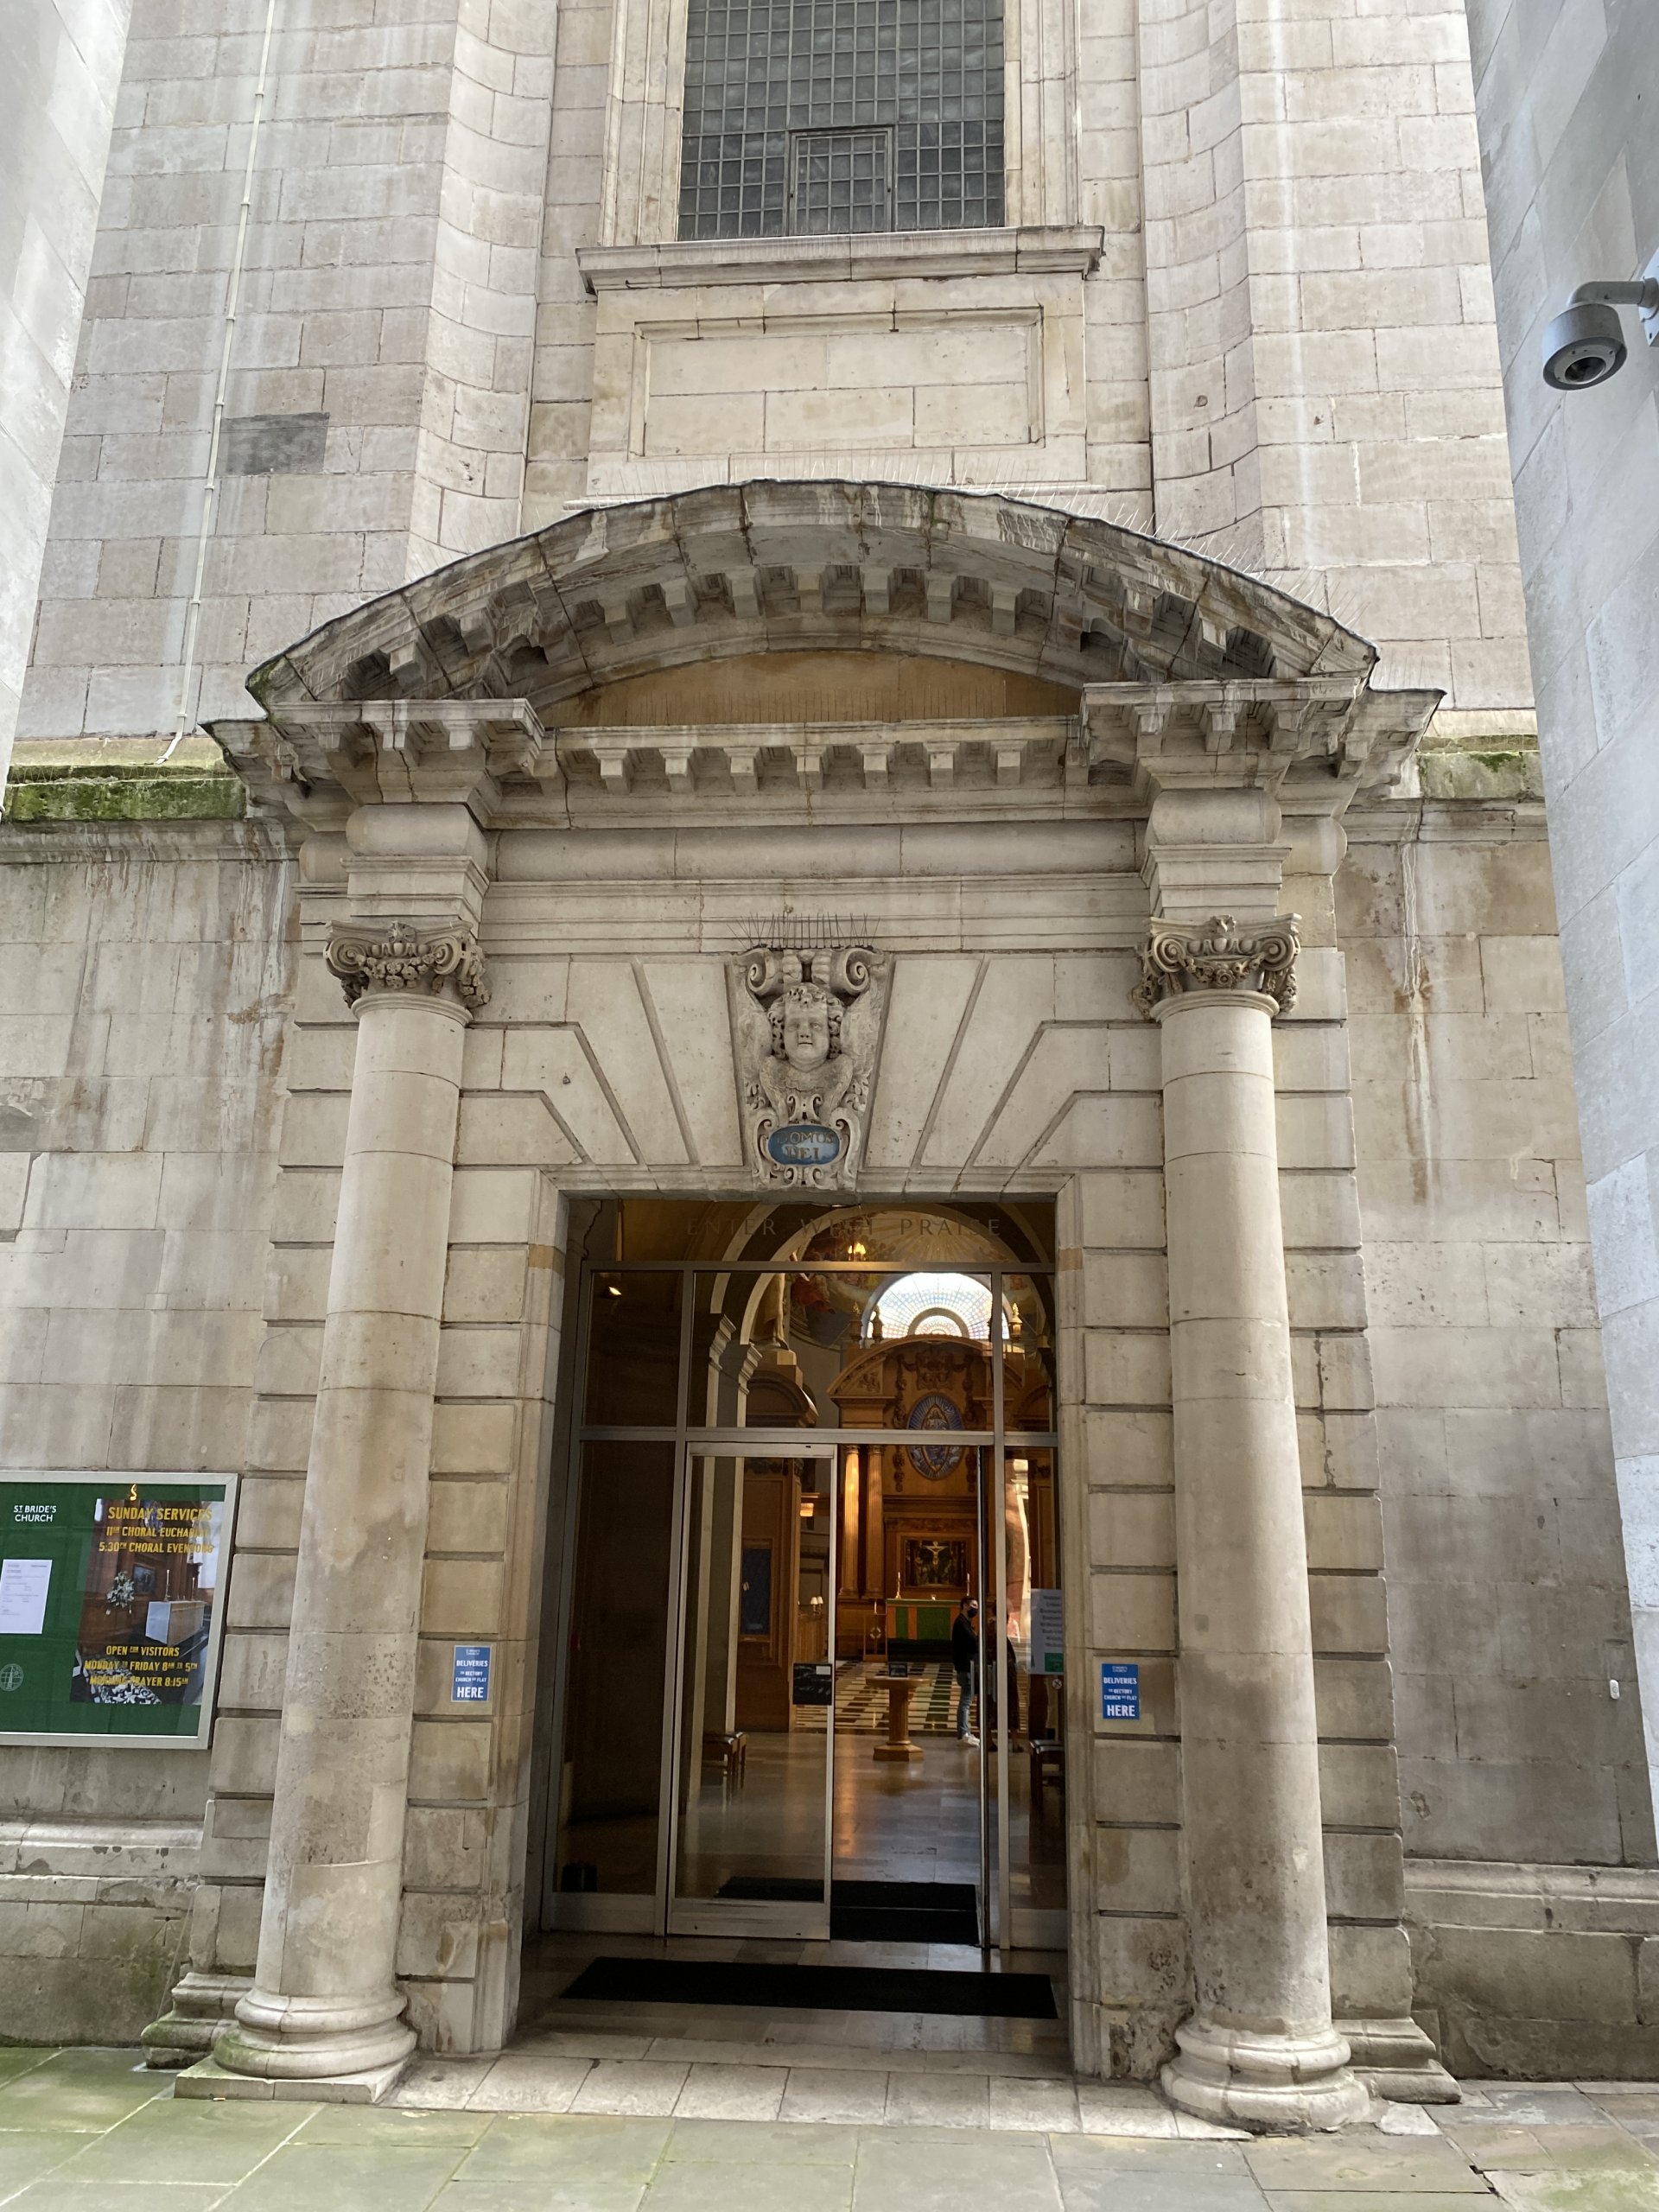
785 1482
827 1777
755 1760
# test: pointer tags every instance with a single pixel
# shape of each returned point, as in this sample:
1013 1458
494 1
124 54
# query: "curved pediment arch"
611 595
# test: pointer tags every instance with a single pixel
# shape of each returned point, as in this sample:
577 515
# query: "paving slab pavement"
95 2130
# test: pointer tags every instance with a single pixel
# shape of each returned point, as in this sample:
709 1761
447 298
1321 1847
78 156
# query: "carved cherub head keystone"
806 1025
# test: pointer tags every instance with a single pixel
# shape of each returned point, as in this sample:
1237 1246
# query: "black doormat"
769 1888
873 1912
896 1896
904 1912
826 1989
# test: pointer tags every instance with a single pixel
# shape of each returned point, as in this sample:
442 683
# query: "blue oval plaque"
935 1461
804 1144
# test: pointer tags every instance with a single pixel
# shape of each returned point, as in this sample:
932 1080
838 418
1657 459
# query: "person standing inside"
964 1658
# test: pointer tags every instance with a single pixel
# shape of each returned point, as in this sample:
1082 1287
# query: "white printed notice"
1047 1633
23 1586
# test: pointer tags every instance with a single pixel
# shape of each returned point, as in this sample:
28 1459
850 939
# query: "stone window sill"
1042 249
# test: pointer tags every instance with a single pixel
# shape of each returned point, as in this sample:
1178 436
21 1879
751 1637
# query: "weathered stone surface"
1242 291
1570 194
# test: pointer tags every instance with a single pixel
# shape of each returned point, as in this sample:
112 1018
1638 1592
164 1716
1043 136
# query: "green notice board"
110 1605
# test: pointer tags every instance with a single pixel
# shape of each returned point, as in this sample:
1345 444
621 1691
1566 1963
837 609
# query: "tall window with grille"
820 116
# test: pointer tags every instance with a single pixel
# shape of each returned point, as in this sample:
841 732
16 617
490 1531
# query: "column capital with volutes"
1218 955
440 967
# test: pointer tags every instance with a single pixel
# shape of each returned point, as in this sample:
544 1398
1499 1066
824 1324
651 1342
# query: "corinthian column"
324 2002
1259 2050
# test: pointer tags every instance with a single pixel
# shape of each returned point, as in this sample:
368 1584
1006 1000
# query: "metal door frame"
781 1917
655 1913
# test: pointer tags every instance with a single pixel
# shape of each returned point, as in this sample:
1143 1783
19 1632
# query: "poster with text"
110 1589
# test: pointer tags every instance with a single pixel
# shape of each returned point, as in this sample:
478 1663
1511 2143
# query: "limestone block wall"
1294 347
92 1921
1563 101
1325 390
1526 1972
1506 1573
972 378
148 970
152 1082
561 377
368 418
57 102
1109 193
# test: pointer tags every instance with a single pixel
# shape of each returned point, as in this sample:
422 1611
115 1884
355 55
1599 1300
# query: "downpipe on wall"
188 670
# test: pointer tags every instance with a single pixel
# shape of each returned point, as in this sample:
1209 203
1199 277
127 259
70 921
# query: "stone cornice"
1266 733
1185 671
1218 955
1037 249
613 593
1312 743
319 762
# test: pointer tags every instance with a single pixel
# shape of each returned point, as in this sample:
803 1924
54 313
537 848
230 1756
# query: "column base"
203 2008
1398 2060
207 2078
315 2040
1270 2084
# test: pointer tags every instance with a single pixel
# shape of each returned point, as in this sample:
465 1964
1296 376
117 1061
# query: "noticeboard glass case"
111 1605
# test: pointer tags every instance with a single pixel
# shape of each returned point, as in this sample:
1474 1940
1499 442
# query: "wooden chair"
729 1753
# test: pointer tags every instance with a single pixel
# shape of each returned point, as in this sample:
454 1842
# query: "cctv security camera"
1585 344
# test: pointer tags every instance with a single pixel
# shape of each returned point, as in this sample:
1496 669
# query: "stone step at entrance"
648 2073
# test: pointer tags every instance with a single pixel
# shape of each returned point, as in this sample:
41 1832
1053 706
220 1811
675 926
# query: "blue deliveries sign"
1120 1691
804 1144
470 1684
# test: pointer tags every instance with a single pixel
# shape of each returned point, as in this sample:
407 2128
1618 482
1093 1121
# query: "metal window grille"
841 114
841 180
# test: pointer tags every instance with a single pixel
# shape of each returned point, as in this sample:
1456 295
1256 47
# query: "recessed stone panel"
273 445
924 370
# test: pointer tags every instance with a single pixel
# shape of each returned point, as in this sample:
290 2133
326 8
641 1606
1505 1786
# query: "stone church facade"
712 502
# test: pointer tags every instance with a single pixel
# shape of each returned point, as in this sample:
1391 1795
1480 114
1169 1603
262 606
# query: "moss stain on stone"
112 791
1489 772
